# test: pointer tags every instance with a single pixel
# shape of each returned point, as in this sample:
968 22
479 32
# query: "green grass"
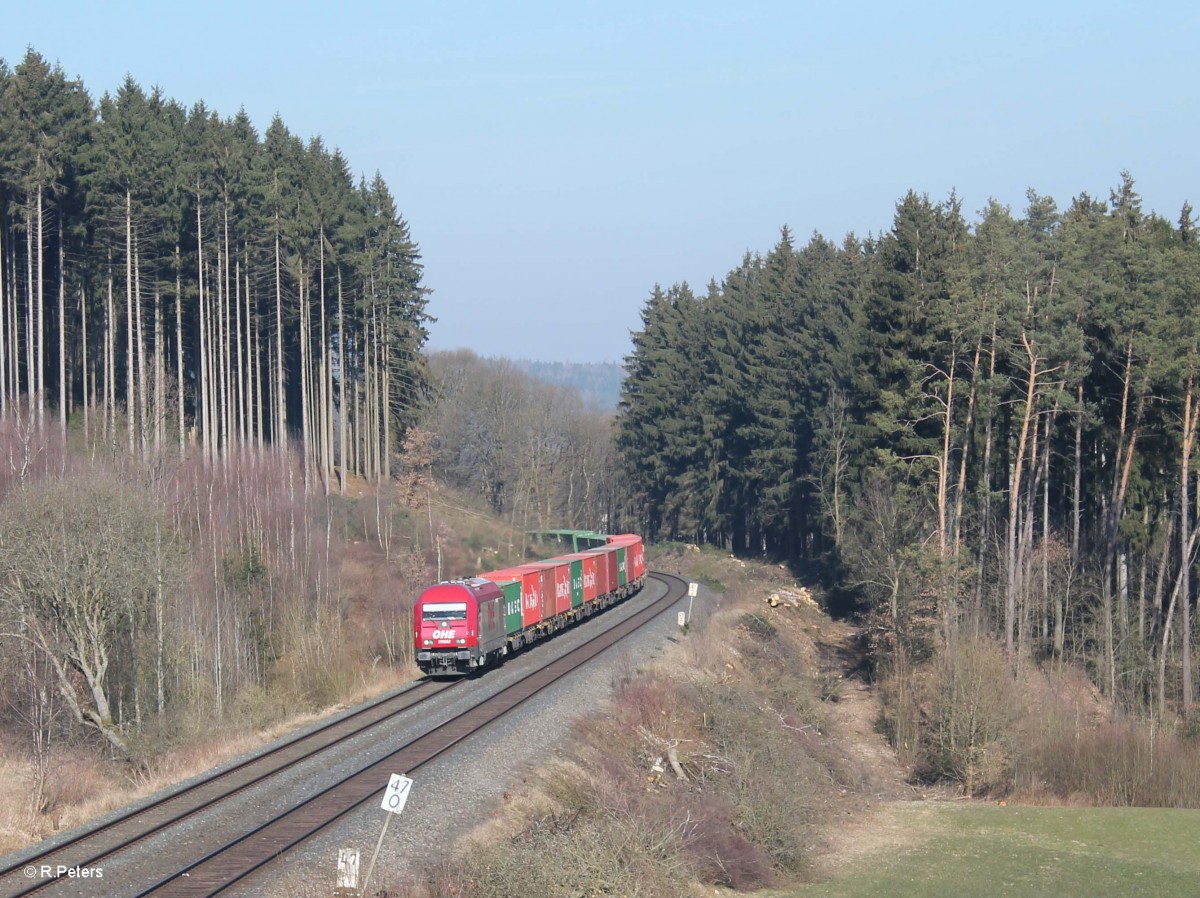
965 850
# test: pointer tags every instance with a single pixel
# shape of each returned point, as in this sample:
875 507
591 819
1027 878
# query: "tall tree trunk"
14 330
373 399
1189 439
213 351
40 390
342 405
216 358
254 345
1046 598
1014 498
1077 491
160 374
943 481
217 335
306 442
326 416
30 309
83 348
130 382
241 376
8 309
1025 539
62 333
232 312
160 642
143 412
280 422
385 395
202 385
110 361
356 420
5 334
180 386
961 491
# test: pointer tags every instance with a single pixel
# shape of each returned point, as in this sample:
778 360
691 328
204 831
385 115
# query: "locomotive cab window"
444 611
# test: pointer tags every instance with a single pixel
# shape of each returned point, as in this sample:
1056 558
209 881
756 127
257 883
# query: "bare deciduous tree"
80 561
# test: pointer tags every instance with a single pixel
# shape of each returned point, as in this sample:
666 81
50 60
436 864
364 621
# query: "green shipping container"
576 583
512 606
621 566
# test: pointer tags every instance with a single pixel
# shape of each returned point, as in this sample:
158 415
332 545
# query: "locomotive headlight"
428 642
461 641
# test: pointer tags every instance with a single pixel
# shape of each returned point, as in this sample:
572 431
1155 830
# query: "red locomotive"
461 626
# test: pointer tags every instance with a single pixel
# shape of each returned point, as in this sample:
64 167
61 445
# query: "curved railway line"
252 850
100 842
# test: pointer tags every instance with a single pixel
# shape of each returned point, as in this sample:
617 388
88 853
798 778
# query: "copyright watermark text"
48 871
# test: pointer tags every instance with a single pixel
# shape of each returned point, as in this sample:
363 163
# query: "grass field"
964 850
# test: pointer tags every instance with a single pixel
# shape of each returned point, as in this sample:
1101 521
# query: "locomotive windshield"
442 611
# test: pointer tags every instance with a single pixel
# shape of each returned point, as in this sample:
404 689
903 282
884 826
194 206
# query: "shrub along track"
241 856
100 842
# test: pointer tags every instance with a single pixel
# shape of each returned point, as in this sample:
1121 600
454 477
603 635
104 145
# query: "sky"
556 160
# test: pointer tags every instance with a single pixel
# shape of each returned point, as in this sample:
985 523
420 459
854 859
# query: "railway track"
241 856
99 842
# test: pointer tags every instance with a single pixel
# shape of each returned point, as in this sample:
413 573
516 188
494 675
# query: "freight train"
462 626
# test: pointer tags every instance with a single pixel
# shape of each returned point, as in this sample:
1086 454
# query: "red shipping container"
556 590
546 575
606 575
560 589
591 575
635 554
531 590
610 559
531 595
591 579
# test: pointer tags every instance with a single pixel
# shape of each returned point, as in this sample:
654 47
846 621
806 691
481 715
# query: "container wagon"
461 626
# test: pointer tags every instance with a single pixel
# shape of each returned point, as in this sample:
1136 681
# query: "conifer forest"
982 427
167 272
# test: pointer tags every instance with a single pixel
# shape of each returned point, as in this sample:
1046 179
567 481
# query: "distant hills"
599 383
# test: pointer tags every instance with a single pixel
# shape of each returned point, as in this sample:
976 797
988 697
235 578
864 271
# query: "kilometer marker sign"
396 794
394 798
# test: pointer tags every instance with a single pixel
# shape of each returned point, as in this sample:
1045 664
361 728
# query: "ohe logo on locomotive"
443 634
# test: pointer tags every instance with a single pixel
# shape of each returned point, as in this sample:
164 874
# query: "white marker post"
347 874
693 589
395 796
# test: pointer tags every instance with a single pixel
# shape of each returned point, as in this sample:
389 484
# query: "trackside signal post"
395 796
685 617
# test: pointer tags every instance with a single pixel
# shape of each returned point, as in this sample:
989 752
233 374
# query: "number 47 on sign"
394 797
396 793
